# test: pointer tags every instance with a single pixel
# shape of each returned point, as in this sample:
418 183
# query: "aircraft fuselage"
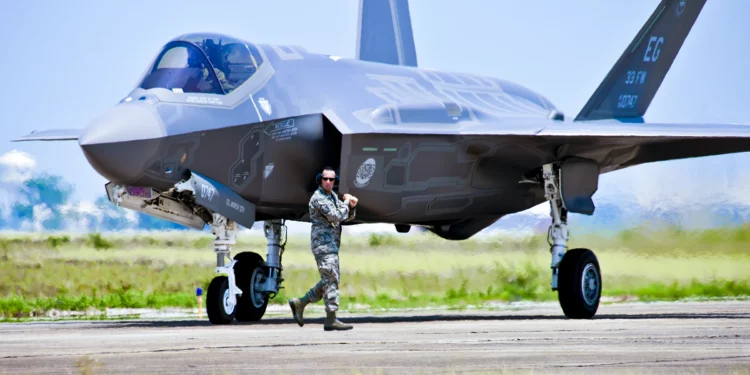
298 112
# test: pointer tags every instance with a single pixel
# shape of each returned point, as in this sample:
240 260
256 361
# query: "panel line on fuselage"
252 100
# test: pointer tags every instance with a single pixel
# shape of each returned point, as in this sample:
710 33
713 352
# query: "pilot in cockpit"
195 61
219 61
228 87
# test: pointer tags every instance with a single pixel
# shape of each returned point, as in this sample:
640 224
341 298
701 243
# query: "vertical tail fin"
384 32
632 82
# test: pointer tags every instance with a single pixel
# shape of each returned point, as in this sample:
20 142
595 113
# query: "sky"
66 62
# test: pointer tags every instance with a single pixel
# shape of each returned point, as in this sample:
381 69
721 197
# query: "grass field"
41 272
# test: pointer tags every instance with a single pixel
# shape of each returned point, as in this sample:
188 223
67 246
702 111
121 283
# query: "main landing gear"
247 282
575 274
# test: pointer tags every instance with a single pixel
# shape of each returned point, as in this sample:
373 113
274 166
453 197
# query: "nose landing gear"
245 286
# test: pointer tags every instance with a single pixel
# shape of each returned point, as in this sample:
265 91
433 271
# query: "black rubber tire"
570 286
247 263
215 301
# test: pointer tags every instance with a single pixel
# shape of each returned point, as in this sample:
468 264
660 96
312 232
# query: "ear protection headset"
319 178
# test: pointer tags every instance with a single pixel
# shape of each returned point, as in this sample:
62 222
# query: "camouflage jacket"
327 212
228 87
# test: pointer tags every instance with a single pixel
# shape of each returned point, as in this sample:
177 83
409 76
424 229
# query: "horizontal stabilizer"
384 33
51 135
627 91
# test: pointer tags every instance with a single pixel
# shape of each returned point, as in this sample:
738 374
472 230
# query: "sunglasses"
329 178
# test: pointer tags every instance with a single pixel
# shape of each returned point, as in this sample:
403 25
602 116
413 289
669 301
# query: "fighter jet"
224 132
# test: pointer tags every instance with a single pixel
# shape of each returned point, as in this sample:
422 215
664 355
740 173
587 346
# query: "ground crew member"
327 212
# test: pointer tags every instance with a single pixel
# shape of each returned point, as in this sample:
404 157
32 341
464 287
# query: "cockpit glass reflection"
203 64
182 67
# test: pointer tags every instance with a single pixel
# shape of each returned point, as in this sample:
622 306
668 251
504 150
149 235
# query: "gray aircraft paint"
417 146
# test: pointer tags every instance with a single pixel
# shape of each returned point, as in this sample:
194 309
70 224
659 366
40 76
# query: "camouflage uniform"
326 214
222 79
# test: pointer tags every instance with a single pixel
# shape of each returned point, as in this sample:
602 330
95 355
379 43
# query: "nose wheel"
249 273
243 287
218 301
251 305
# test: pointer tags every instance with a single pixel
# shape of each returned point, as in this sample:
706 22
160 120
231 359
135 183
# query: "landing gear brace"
576 275
247 283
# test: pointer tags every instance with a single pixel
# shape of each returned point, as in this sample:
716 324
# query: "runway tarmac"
669 338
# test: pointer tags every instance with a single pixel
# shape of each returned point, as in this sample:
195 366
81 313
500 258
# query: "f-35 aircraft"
222 131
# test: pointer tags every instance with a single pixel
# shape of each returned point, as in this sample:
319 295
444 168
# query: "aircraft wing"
51 135
612 144
618 145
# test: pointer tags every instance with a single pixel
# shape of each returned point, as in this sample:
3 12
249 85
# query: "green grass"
39 272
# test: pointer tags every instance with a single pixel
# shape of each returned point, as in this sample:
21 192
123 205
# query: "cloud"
16 166
37 201
41 213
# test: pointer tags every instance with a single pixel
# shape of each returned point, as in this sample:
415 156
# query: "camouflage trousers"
328 286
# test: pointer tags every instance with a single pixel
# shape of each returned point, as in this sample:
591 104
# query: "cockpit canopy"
203 63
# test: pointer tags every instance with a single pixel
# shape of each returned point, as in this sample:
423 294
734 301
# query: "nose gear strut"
246 283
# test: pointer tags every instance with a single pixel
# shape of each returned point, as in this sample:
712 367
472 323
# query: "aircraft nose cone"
120 142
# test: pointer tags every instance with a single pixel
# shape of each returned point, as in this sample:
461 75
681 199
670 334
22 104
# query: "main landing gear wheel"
250 273
580 284
220 311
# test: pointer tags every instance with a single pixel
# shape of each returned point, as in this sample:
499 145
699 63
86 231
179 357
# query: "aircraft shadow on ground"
419 319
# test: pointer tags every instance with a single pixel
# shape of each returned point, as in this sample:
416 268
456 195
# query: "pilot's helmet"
237 54
208 45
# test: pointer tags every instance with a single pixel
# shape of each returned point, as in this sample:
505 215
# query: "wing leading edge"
51 135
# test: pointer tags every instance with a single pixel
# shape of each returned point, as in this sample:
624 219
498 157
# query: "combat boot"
333 324
298 308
